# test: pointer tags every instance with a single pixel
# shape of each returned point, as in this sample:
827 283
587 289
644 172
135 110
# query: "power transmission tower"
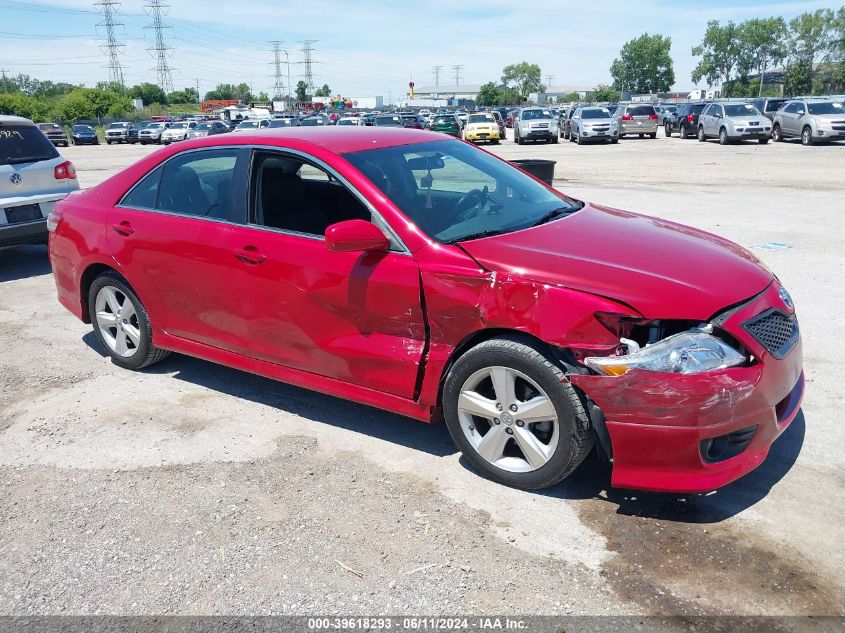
307 61
199 98
458 68
157 9
111 47
436 72
279 85
549 81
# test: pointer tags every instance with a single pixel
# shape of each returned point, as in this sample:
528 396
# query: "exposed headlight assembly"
690 352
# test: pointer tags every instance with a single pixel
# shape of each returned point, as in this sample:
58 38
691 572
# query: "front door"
355 317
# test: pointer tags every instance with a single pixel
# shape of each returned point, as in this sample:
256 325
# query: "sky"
364 47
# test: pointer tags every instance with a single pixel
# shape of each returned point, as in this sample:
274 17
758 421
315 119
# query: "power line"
111 47
458 68
307 61
156 9
436 72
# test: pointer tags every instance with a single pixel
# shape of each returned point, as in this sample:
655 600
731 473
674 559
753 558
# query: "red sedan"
422 275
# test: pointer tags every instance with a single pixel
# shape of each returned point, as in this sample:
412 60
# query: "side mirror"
355 235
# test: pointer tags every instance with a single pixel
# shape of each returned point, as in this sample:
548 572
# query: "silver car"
535 124
811 120
593 124
33 177
730 122
634 118
152 133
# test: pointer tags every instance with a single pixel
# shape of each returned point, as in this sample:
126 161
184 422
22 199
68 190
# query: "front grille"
775 331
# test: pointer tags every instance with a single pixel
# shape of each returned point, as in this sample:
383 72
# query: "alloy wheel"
508 419
117 321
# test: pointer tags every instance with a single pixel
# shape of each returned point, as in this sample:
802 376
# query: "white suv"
178 131
33 177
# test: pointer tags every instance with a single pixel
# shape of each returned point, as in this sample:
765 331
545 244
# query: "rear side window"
24 144
195 184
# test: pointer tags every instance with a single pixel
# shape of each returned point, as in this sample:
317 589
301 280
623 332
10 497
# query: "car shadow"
22 262
433 439
592 480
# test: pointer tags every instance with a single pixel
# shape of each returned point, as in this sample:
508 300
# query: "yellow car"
482 126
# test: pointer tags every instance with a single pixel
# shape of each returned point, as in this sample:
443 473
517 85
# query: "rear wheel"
807 136
513 415
667 130
777 135
121 325
701 136
723 137
653 135
555 139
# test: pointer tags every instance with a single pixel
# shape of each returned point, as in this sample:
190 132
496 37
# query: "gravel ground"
195 489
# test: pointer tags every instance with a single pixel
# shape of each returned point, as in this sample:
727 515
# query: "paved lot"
192 488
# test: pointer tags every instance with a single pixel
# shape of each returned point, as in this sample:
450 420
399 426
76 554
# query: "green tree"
488 94
148 93
603 94
569 97
243 93
764 45
323 91
644 65
836 56
301 91
92 103
19 104
523 77
188 95
221 92
509 96
720 52
263 96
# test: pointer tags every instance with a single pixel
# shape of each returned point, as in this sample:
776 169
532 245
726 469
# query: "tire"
701 136
777 134
555 139
654 135
132 354
578 138
642 135
527 371
807 136
614 141
571 138
108 142
516 138
723 137
762 141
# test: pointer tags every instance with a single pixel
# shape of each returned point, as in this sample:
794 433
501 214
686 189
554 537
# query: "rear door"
173 237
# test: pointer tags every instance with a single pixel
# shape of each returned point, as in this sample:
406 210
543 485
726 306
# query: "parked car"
636 118
315 120
500 121
510 117
152 133
730 122
685 120
33 177
664 111
55 133
348 120
482 127
446 123
250 125
83 135
565 124
121 132
462 115
812 120
211 128
428 277
412 121
388 120
535 124
769 106
593 124
179 131
279 123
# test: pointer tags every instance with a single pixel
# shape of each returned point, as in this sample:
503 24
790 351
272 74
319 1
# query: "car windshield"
24 144
741 109
529 115
48 126
204 126
453 191
155 126
247 125
118 126
481 118
82 128
178 126
595 113
311 121
279 123
444 119
388 120
825 107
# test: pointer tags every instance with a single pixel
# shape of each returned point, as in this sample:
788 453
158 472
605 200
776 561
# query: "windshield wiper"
15 160
480 234
554 213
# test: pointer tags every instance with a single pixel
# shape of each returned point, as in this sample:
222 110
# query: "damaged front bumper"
697 432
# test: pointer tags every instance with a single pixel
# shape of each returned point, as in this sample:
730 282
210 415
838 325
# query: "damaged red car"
416 273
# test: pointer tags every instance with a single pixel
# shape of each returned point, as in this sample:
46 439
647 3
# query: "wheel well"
88 277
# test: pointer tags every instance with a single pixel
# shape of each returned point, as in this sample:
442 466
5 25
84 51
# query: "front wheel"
555 139
762 141
121 325
723 137
777 135
667 130
701 136
653 135
512 414
807 136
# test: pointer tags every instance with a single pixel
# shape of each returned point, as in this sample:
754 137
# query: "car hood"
660 268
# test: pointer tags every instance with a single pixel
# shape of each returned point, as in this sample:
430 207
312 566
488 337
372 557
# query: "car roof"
17 120
331 138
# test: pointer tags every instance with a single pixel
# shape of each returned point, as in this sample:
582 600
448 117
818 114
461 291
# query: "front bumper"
85 140
597 134
544 133
482 135
659 424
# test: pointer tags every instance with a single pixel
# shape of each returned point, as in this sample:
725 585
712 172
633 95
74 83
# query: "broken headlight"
685 353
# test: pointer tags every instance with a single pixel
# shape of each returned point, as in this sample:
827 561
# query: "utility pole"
278 86
287 61
458 68
436 72
307 61
199 98
156 9
111 47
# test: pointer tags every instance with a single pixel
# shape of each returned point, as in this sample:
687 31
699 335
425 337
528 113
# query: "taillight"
690 118
653 117
53 220
65 171
627 117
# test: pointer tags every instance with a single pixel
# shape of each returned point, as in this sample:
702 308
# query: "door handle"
124 228
250 255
